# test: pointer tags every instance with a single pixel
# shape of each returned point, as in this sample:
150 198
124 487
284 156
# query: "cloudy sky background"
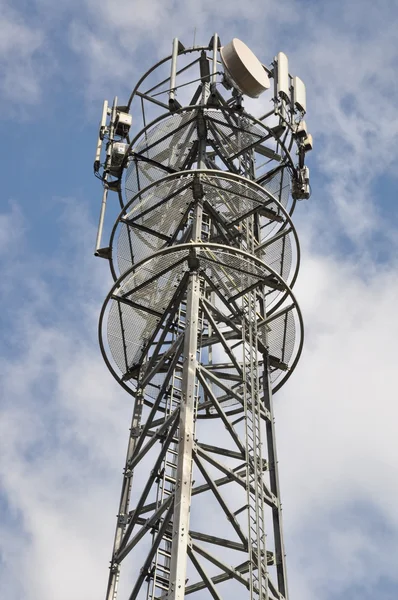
64 422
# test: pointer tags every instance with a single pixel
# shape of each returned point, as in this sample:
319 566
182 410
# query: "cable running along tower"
201 326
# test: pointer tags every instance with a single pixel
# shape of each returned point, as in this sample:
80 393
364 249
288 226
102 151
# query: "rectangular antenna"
111 131
173 72
214 61
299 94
282 85
97 160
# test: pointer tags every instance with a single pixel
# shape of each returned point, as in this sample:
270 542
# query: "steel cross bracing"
201 327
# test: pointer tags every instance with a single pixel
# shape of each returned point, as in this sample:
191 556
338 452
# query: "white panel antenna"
244 69
308 143
301 130
118 153
299 94
101 135
123 123
283 87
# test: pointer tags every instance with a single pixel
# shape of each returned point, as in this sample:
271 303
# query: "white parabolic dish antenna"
246 71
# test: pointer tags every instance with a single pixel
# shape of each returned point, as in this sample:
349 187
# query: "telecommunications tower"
201 326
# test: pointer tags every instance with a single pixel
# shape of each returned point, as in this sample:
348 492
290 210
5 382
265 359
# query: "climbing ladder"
253 423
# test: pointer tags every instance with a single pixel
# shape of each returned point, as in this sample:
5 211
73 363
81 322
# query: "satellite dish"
244 69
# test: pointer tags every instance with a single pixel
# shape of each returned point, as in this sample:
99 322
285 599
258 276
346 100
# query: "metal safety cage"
169 145
140 316
160 216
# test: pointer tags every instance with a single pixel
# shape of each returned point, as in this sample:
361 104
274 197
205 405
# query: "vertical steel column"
186 431
114 574
188 409
280 559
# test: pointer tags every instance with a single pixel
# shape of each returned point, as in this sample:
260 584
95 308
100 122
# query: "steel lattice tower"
201 326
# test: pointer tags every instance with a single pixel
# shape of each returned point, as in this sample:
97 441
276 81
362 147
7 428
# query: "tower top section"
215 77
186 139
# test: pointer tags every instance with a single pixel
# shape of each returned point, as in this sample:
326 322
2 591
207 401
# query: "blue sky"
63 421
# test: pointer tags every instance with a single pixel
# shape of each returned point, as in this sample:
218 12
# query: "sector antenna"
201 326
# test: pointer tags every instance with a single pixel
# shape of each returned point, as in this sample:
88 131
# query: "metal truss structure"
201 327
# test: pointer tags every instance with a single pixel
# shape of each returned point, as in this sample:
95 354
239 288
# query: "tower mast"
201 326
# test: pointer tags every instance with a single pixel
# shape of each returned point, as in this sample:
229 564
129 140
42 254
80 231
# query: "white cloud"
352 100
117 46
61 428
21 60
11 228
336 426
64 422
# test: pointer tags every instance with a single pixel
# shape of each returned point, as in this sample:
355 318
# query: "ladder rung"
171 464
163 568
161 586
171 451
169 479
